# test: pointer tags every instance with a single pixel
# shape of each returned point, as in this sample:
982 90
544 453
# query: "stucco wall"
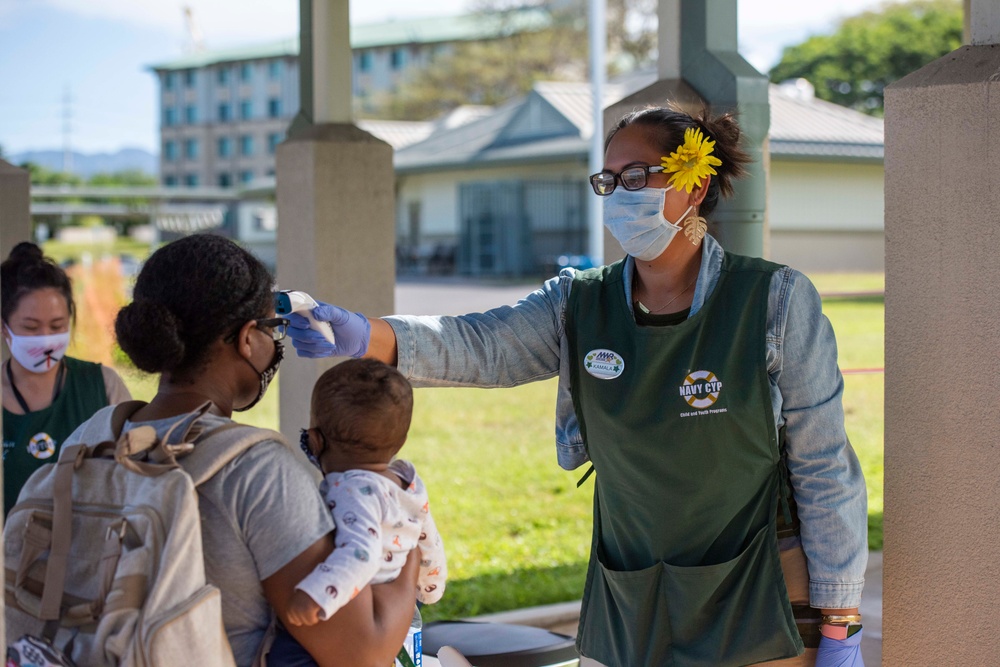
825 196
942 359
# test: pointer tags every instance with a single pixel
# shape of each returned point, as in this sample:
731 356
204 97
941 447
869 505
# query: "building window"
273 140
365 61
246 72
397 59
224 113
225 147
222 76
170 181
191 149
274 69
189 78
246 109
246 145
225 180
170 150
246 176
191 180
190 114
169 116
168 81
274 108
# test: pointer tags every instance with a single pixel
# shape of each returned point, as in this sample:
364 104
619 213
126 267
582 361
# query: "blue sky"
97 50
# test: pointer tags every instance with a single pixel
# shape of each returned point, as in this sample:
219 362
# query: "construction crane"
194 42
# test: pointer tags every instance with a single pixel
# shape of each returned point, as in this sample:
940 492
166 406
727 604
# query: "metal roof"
804 126
397 133
433 30
800 129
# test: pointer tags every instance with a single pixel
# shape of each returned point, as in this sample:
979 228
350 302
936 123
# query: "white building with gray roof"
506 194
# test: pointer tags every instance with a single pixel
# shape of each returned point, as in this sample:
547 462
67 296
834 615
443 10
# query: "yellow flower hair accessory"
692 161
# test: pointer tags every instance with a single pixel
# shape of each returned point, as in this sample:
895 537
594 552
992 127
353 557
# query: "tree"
42 176
124 178
869 51
553 47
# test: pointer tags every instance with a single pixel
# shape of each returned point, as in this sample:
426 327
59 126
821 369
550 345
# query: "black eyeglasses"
276 326
633 178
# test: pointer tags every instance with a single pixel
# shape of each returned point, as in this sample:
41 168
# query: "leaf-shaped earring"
695 228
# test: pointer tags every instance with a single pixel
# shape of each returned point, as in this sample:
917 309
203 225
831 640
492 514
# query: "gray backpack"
103 551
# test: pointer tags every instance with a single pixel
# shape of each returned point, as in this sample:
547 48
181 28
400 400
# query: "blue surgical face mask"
304 444
635 219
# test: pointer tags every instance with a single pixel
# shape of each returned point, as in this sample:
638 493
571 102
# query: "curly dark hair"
27 269
189 294
363 405
669 123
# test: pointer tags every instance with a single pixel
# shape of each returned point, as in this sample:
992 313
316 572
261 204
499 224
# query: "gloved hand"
840 652
352 332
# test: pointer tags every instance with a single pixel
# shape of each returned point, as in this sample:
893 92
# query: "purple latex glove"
352 332
840 652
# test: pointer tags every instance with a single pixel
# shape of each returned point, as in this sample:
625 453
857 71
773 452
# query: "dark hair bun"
25 251
150 334
726 132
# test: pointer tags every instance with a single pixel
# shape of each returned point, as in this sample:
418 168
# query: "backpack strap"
121 414
213 451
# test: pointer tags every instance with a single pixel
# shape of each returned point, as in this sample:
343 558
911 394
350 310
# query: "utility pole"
67 129
598 72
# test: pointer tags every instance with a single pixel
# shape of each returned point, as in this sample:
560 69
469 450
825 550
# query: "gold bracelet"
834 619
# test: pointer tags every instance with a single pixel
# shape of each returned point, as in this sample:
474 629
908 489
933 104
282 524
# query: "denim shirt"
513 345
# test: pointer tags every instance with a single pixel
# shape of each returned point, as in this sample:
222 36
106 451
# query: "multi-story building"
223 113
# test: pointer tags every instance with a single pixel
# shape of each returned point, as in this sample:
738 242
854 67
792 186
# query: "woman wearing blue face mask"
46 394
730 519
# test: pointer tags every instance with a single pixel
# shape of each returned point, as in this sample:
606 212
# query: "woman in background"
46 394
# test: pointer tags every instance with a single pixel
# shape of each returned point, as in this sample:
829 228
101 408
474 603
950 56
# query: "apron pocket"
624 620
733 613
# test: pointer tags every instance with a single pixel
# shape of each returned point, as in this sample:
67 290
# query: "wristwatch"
840 627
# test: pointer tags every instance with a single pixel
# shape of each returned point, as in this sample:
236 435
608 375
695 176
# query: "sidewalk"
563 617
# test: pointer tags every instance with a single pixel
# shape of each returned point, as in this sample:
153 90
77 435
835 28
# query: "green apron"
32 440
678 423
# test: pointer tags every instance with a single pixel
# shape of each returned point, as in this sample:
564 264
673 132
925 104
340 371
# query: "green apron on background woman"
31 440
678 422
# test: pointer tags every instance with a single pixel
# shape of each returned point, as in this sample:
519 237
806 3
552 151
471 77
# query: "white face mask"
38 354
635 219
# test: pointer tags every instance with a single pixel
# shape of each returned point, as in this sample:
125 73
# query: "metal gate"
517 228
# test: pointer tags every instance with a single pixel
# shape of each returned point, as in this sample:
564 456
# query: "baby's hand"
302 610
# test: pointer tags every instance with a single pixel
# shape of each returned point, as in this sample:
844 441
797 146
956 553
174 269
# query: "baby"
360 416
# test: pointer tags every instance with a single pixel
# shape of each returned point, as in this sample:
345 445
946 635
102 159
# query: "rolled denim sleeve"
502 347
826 478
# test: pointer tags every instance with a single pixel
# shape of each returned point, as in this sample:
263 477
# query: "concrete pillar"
15 207
698 63
942 359
336 201
711 64
15 226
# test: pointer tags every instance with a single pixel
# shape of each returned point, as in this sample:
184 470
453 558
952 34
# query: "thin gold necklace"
654 311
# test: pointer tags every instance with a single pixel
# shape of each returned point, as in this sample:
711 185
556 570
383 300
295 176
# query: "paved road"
455 296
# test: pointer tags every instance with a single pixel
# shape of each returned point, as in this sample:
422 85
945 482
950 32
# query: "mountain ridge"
86 165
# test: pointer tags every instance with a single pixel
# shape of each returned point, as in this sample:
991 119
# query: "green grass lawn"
516 528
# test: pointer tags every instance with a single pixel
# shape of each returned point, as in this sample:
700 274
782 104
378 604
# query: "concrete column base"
15 226
942 379
336 237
